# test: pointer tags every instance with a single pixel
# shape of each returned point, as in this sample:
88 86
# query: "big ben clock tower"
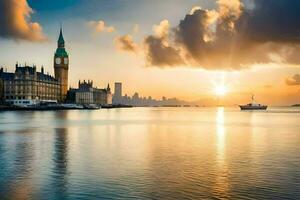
61 66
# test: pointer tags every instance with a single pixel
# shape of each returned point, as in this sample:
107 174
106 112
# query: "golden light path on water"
151 153
221 186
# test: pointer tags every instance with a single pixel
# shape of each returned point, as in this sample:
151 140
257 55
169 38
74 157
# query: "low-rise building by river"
87 94
27 86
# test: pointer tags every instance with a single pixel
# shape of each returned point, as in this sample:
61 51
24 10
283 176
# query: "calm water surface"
150 153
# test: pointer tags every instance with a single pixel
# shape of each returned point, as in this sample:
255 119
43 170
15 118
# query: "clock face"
66 61
57 61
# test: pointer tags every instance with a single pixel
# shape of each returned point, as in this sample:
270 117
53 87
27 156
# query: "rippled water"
150 153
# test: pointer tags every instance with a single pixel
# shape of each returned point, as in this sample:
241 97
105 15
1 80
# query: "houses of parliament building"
26 85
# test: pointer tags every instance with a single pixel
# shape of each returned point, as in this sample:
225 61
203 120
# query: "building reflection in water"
19 185
221 186
60 160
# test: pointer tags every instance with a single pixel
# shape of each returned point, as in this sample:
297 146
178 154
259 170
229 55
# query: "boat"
71 106
91 106
253 106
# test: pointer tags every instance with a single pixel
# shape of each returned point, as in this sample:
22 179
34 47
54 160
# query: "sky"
189 49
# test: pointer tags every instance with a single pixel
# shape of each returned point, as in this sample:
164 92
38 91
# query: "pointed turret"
60 51
61 40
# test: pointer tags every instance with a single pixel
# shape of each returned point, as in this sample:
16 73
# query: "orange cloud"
295 80
230 37
162 30
101 27
159 51
15 20
126 43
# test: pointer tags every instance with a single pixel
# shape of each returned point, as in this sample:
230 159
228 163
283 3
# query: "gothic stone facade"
26 86
61 66
87 94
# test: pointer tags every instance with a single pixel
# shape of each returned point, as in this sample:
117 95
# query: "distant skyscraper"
118 94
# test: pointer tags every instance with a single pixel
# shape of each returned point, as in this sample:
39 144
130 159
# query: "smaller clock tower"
61 66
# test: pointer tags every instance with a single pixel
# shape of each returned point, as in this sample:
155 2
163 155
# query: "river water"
150 153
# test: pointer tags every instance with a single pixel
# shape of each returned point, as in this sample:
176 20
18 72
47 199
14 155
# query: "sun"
221 90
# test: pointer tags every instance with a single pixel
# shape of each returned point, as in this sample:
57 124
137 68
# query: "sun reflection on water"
221 186
150 153
221 131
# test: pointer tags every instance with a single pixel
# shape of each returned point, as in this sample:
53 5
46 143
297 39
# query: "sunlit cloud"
295 80
15 21
100 27
162 29
158 49
126 43
230 37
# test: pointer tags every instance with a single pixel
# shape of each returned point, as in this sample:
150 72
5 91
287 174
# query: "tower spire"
61 40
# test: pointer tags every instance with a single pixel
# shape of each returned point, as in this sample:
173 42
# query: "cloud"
295 80
159 53
276 22
100 27
15 21
158 49
126 43
230 37
162 30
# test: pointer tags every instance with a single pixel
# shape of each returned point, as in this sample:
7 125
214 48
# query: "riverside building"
27 86
87 94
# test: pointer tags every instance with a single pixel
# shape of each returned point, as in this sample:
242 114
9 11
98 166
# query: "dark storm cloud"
160 54
158 48
15 21
232 36
273 20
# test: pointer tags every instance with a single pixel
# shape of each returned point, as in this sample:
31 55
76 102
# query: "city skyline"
28 87
106 47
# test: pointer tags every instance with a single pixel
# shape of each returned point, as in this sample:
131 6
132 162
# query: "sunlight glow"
221 90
